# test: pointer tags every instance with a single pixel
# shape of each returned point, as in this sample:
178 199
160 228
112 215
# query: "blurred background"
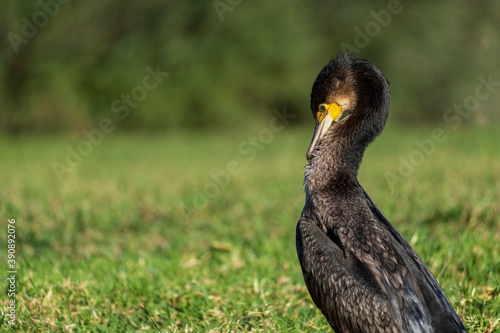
231 62
152 153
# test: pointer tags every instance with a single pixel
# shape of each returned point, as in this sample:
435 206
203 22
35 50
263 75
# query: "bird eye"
322 107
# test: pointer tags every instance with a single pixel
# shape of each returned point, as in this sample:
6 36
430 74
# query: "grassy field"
140 228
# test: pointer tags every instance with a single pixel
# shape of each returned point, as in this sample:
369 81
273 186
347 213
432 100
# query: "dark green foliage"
233 68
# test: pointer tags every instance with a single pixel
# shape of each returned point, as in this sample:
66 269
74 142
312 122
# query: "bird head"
349 87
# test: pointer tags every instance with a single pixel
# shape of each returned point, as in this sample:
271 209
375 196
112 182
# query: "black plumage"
361 273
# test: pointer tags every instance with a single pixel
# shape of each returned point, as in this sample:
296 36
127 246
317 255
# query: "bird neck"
338 159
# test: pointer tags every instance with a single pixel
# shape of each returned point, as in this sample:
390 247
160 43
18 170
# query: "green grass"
123 230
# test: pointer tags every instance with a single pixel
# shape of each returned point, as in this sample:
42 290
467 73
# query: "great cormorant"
361 273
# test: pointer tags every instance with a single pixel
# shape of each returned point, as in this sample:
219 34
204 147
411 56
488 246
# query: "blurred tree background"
230 62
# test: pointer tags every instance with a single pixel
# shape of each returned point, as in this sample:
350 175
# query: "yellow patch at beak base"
334 109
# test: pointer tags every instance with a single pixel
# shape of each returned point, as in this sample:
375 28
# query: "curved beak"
325 120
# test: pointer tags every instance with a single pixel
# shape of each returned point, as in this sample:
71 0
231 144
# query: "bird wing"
442 313
340 284
353 269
